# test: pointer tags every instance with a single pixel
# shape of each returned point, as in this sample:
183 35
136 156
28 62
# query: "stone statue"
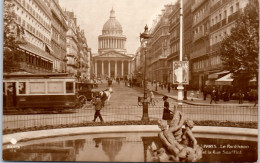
179 143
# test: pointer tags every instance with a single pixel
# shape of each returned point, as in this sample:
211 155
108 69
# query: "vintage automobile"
86 91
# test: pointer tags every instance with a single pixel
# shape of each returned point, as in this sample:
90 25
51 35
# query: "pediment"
113 54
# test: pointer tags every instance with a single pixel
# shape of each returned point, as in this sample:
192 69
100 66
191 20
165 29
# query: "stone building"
212 21
78 52
72 44
34 20
223 15
112 59
58 39
174 30
200 43
159 47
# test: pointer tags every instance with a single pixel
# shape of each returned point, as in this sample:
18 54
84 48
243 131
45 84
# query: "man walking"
169 87
98 106
205 91
213 96
240 97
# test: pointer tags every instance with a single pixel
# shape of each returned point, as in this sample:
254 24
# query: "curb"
202 104
207 130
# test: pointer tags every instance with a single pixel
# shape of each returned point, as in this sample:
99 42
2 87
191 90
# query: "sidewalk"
196 101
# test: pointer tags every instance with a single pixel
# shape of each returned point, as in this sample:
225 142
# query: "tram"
42 91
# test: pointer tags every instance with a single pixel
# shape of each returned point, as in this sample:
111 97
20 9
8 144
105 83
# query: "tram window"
55 87
37 88
21 87
69 87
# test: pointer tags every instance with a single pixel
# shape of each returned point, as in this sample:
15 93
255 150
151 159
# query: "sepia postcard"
130 80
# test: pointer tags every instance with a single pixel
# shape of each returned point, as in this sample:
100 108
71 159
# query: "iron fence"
128 113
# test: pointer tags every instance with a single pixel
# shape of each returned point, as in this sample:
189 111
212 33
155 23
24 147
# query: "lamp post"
180 86
144 38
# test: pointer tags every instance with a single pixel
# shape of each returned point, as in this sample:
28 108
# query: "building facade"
112 59
174 30
159 47
34 20
222 19
72 44
200 43
58 35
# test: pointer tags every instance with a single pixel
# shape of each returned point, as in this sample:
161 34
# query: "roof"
112 25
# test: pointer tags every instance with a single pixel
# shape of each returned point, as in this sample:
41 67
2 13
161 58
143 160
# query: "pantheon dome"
112 36
112 25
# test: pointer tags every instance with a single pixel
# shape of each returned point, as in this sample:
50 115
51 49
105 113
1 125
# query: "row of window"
199 15
34 10
38 62
206 63
220 16
175 47
31 29
40 87
217 37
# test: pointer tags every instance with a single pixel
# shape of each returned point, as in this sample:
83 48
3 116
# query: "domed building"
112 59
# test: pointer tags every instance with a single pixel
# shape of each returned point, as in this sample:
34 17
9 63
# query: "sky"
133 15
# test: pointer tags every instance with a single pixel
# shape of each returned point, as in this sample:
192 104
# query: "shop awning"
217 74
225 80
36 51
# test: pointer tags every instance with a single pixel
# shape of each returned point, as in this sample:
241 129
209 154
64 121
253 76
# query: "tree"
239 50
12 31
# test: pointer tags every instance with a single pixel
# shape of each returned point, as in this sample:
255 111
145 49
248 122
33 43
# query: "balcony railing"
224 22
214 7
196 5
215 47
234 16
201 18
200 35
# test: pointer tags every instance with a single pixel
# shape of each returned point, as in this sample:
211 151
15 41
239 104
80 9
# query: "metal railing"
85 115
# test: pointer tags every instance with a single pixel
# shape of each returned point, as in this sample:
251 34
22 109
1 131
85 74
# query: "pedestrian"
205 91
213 95
167 113
217 94
240 97
98 106
151 97
169 87
191 95
198 93
161 84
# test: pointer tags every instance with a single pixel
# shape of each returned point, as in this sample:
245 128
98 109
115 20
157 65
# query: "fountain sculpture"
179 143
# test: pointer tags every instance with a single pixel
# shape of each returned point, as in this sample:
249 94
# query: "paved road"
123 95
123 107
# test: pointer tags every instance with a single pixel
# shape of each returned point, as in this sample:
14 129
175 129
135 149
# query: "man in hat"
98 106
167 115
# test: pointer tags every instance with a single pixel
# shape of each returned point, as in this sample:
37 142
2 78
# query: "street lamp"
144 38
180 86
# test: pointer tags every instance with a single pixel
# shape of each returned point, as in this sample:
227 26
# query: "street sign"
180 72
